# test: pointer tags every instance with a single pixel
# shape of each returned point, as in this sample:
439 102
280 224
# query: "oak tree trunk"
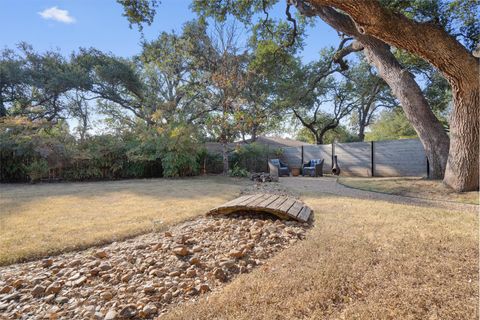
3 110
458 66
361 132
434 139
254 134
462 172
318 139
225 157
430 131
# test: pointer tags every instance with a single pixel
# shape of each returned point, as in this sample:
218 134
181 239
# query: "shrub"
253 157
142 152
238 172
36 170
176 164
210 162
179 153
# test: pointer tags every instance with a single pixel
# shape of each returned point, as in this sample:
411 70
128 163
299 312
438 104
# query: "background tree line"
442 35
97 116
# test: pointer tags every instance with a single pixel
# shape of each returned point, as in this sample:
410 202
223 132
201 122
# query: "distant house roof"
216 147
274 142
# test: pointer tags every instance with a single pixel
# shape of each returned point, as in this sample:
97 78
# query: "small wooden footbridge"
281 206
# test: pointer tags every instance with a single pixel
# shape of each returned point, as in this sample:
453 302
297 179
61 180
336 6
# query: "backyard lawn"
364 259
37 220
411 187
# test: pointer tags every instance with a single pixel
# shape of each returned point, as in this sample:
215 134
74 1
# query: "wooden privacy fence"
389 158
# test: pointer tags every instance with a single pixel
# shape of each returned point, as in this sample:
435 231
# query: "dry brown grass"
364 259
412 187
37 220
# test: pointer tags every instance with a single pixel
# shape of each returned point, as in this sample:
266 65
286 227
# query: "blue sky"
100 24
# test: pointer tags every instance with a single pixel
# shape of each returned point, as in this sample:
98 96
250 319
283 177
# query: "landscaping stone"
47 263
61 300
203 288
181 251
107 295
150 309
145 276
111 315
128 311
17 283
219 274
38 291
263 177
6 289
236 253
101 254
54 288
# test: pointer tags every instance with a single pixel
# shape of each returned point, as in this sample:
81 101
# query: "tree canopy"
208 83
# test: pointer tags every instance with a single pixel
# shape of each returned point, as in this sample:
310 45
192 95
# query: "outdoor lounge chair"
282 167
313 168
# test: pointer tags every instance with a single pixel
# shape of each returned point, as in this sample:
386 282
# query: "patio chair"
282 167
273 170
313 168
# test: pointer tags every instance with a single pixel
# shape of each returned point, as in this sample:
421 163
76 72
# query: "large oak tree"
375 27
457 64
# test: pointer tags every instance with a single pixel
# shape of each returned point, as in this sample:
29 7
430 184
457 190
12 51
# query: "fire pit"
263 177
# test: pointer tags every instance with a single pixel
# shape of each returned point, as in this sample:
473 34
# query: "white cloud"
56 14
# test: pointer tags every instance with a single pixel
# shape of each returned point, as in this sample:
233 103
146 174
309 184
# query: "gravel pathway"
329 185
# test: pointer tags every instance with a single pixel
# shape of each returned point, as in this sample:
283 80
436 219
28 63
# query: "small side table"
295 171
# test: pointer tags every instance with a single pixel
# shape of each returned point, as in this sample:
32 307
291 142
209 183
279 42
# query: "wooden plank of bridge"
295 209
241 200
259 200
287 205
271 199
304 214
282 206
277 203
237 201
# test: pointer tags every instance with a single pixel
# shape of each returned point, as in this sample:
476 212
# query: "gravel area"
271 188
142 278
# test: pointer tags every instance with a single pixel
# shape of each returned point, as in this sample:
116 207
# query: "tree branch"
355 46
294 22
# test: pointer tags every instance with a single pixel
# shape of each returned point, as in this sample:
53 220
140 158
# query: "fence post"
301 165
428 169
372 158
333 153
268 157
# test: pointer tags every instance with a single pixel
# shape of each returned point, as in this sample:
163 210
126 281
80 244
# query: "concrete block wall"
354 159
399 158
292 156
390 158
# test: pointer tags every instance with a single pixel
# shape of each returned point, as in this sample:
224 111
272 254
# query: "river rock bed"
143 277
